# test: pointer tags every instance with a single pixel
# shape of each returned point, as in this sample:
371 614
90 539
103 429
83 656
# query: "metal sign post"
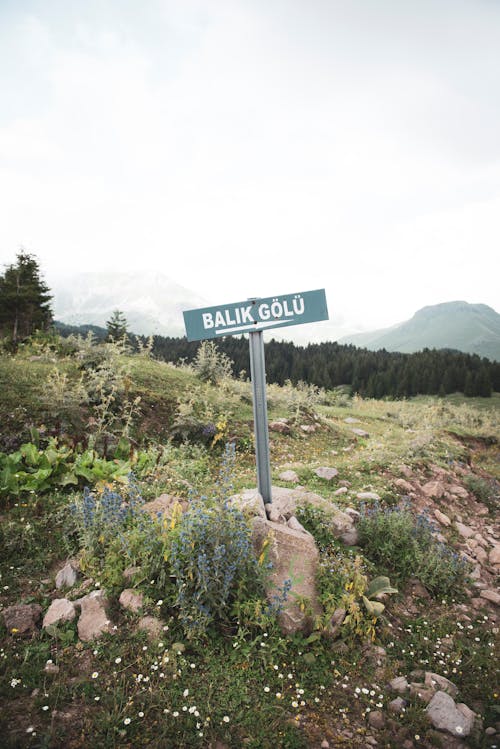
258 376
254 316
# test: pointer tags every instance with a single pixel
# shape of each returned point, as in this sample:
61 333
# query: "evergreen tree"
117 326
24 299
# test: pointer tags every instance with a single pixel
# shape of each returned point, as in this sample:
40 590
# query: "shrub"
212 559
404 545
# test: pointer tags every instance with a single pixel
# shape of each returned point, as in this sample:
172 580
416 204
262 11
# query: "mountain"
472 328
152 303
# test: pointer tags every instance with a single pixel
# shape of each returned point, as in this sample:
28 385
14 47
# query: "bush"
212 559
404 545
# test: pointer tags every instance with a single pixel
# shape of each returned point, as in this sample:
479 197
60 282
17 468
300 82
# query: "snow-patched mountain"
151 302
472 328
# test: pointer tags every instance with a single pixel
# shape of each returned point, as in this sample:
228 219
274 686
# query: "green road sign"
256 314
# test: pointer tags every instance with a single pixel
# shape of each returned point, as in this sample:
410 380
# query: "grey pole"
258 375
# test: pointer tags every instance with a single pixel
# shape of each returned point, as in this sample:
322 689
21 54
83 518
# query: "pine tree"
24 299
117 326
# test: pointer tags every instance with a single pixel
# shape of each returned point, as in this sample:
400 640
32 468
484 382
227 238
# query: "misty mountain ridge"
153 304
471 328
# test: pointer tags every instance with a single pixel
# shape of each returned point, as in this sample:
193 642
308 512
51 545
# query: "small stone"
308 428
130 572
289 476
404 485
151 625
21 618
351 420
325 744
338 492
490 731
51 668
442 518
279 426
491 595
60 610
494 556
131 600
434 489
368 495
67 576
93 620
437 682
360 432
376 719
326 473
397 705
464 530
399 684
458 491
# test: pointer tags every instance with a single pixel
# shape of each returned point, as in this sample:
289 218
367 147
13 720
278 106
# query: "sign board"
255 315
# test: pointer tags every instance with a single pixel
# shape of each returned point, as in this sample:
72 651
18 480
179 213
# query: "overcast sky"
258 147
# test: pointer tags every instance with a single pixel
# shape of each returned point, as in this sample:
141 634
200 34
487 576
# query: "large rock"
294 557
279 426
93 620
434 489
60 610
22 618
289 476
447 716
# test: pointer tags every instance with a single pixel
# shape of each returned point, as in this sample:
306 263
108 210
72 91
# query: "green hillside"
471 328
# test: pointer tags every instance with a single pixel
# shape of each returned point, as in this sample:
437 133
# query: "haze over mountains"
472 328
153 304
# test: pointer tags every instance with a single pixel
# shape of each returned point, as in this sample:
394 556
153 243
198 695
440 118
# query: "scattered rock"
376 719
326 473
494 556
289 476
404 485
442 518
131 599
360 432
491 595
399 684
336 622
458 491
93 619
308 428
397 705
151 625
22 618
279 426
295 525
67 576
130 573
445 715
350 537
465 530
434 489
60 610
338 492
250 503
351 420
437 682
367 495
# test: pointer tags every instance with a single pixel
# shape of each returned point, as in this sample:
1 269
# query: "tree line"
372 374
25 308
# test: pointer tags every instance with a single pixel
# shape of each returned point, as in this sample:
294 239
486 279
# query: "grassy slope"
236 677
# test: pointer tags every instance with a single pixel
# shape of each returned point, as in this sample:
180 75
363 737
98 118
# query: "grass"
242 685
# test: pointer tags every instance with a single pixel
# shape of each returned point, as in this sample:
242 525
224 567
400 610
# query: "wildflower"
175 713
266 689
95 674
126 721
226 718
185 693
140 714
45 707
118 660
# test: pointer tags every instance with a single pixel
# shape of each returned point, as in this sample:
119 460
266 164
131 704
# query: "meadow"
90 433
